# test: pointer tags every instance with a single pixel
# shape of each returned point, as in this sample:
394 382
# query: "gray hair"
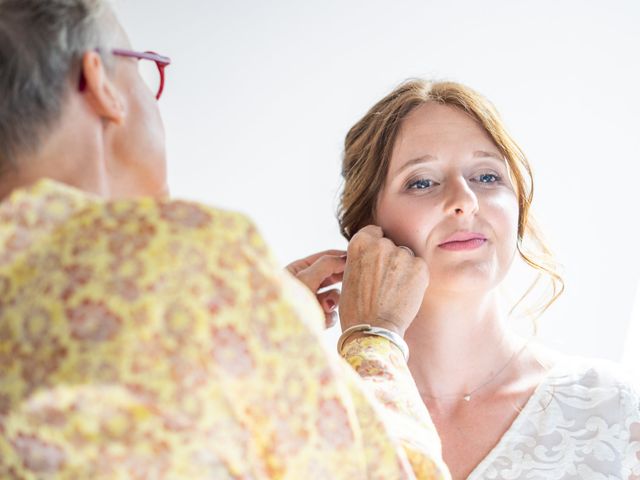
41 47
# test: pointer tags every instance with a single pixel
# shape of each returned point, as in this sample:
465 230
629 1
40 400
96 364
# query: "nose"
460 199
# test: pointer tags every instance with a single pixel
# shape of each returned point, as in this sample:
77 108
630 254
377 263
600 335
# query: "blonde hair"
367 155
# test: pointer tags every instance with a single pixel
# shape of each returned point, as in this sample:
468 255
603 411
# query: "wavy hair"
367 154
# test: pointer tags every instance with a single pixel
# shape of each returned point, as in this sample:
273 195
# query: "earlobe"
100 91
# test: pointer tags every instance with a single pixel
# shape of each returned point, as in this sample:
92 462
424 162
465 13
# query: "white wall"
260 95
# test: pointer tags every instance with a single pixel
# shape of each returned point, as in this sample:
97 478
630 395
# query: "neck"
457 343
72 154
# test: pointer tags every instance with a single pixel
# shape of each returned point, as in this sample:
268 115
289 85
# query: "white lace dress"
582 423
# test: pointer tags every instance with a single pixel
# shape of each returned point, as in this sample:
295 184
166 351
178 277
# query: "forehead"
438 129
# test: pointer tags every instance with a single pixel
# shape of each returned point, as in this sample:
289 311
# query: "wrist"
389 325
346 323
364 329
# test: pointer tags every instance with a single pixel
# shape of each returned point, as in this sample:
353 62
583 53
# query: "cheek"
147 124
147 111
503 212
406 222
140 144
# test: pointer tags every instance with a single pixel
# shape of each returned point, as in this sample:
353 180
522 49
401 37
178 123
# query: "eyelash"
497 177
411 185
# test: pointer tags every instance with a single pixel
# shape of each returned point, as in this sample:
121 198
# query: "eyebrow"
426 158
483 153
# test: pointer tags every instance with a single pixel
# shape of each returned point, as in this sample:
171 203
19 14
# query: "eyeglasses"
151 73
153 76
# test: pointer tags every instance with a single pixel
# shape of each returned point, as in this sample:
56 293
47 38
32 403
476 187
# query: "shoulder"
593 373
169 217
595 385
582 421
49 211
163 228
167 250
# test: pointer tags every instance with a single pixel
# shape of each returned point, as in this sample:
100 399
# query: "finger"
332 280
330 319
321 270
329 300
298 265
372 230
407 249
363 239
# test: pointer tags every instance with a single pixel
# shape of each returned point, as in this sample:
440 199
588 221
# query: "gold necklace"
467 396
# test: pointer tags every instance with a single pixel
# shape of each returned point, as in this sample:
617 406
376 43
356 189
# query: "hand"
319 271
383 284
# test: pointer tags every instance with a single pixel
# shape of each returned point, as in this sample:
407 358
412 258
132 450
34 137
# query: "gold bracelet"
367 329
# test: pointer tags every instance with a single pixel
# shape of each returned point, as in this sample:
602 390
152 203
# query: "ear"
100 91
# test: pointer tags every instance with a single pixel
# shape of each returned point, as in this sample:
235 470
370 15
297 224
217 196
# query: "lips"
464 241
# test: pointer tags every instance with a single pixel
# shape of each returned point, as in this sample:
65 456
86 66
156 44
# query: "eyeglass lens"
150 74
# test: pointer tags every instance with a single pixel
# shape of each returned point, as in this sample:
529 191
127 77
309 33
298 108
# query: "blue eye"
421 184
488 178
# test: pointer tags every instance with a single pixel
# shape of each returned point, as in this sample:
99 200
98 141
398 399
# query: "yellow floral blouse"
158 340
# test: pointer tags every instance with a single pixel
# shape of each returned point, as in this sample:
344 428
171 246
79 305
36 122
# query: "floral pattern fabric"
158 340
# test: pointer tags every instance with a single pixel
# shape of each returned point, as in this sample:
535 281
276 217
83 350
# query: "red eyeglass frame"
161 63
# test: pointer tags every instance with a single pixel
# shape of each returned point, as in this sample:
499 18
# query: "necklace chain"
467 396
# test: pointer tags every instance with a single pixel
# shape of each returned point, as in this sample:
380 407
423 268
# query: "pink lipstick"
463 241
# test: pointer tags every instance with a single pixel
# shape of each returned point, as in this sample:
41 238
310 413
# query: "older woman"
142 337
436 206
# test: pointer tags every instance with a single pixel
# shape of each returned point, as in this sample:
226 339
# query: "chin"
464 278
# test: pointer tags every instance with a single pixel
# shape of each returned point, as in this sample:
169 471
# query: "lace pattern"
582 422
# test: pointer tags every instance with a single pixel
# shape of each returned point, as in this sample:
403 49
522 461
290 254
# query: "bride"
436 206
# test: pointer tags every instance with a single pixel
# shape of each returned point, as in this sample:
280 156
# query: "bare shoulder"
543 355
588 370
603 384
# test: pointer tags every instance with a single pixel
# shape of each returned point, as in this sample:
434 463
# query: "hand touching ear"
383 283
